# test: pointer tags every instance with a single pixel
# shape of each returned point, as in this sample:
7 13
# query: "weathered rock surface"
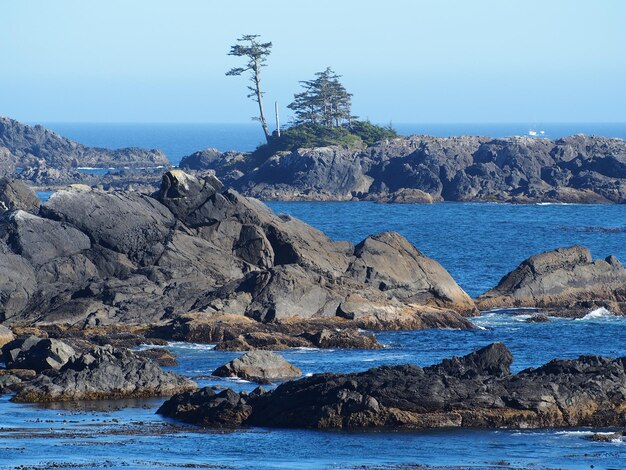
566 280
97 257
16 195
32 146
259 366
6 335
104 373
579 168
240 333
477 390
37 354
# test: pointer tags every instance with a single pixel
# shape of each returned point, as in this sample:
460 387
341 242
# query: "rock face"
36 353
104 373
15 195
581 169
33 146
259 366
566 279
476 390
100 257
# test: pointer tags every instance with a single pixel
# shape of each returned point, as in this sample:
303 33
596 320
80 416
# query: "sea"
477 243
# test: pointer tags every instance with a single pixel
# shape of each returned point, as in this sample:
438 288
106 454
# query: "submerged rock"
566 280
477 390
101 374
259 366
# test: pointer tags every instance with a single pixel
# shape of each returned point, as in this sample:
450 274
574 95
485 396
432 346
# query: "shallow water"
135 437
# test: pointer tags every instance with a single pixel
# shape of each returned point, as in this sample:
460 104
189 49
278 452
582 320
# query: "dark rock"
259 366
564 279
28 145
16 195
101 374
538 318
162 356
36 353
581 169
207 408
476 391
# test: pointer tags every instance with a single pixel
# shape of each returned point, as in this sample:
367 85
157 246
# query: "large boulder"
565 279
37 354
16 195
104 373
259 366
475 391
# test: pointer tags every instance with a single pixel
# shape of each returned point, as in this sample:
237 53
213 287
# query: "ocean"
477 242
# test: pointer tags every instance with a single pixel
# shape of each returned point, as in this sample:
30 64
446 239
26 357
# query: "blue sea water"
477 242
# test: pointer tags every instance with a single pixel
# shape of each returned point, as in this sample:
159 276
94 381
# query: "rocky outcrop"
98 257
565 281
240 333
101 374
259 366
477 390
32 146
15 195
36 354
577 169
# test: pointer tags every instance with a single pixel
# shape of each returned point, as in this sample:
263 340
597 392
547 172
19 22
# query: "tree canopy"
324 101
256 53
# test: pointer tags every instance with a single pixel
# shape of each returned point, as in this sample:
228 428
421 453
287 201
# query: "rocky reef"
566 282
35 147
94 257
477 390
579 168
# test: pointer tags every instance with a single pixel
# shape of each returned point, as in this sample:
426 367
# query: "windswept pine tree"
324 101
256 54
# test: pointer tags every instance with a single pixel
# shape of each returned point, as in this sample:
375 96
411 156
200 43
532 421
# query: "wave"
194 346
597 314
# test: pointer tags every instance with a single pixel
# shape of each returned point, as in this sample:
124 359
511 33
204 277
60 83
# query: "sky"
403 60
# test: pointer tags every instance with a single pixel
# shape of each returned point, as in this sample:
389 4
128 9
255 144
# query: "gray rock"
36 353
259 366
563 279
16 195
104 373
32 144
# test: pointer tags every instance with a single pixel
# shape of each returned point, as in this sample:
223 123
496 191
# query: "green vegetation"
322 109
256 54
355 135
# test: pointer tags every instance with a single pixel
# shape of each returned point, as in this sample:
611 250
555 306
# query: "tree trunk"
259 98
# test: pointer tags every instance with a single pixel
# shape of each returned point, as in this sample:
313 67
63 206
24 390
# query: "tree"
256 54
324 101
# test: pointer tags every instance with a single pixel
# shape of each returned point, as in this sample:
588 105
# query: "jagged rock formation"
566 281
97 257
579 168
37 147
104 373
259 366
36 354
477 390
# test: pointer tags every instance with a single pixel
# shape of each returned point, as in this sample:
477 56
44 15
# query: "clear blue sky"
404 60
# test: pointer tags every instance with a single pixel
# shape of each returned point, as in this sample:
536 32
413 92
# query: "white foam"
597 314
195 346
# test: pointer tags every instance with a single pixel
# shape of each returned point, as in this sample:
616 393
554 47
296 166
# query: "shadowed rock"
566 280
104 373
476 390
36 353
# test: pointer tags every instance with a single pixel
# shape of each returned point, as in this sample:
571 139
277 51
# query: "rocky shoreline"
475 391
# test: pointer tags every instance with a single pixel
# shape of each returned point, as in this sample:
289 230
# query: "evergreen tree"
324 101
256 54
